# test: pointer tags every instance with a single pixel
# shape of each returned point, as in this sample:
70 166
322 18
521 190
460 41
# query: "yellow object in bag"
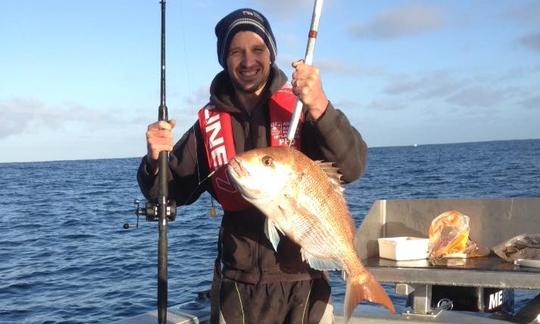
449 237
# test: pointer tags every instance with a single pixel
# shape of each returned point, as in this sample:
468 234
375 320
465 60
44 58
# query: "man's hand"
159 137
307 86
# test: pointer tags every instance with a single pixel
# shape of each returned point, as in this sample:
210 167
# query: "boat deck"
491 272
363 314
492 221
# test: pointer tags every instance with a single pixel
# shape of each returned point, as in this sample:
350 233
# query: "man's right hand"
159 137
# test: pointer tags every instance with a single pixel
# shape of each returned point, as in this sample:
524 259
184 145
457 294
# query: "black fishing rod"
162 203
161 209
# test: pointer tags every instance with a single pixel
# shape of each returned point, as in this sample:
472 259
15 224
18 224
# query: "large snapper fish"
303 200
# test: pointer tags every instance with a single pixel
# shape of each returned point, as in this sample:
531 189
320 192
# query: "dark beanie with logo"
243 20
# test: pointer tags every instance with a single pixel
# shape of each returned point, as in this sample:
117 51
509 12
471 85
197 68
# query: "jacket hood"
222 93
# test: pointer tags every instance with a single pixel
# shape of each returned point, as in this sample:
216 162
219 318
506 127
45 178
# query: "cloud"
403 21
481 90
444 89
476 96
341 67
532 41
334 66
19 115
403 86
433 85
385 105
338 67
198 98
525 14
347 104
532 102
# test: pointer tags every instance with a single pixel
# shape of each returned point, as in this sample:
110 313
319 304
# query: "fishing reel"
151 212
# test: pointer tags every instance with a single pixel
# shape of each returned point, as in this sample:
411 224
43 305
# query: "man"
250 106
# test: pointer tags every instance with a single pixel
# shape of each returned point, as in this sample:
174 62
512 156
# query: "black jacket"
247 254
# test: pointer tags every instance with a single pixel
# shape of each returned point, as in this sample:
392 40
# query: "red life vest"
216 129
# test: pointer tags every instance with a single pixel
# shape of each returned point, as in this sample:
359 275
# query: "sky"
80 79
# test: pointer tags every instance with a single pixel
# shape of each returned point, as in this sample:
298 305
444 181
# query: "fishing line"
212 212
198 187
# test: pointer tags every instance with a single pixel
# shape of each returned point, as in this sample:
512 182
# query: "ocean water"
64 256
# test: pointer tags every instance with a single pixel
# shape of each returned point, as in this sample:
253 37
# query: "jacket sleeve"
187 171
332 138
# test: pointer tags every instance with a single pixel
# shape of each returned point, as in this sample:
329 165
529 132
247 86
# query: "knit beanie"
243 20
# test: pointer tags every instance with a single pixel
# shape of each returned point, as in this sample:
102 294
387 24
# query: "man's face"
248 62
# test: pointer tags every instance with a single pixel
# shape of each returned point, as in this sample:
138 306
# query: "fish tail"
359 289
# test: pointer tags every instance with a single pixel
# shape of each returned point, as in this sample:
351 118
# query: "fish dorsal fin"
271 231
319 263
332 172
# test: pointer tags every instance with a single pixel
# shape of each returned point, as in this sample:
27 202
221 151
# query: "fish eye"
267 161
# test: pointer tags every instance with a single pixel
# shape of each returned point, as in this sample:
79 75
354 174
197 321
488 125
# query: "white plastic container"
403 248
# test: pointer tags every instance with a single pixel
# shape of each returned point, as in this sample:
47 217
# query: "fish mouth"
236 170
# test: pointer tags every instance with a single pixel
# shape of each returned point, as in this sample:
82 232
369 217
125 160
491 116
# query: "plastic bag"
449 237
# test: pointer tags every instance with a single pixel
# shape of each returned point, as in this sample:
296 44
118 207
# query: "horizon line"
369 147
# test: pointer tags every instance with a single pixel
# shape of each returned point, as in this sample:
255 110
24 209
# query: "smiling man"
251 104
248 63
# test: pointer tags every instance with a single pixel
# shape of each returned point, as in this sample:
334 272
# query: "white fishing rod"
312 37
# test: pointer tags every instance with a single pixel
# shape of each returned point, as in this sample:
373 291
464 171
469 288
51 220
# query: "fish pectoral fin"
271 231
318 263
